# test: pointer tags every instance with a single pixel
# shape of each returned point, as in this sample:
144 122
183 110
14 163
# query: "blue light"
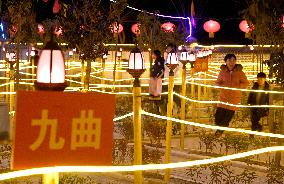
2 28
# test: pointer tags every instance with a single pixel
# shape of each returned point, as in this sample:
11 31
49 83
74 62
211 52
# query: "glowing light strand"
226 103
213 127
165 16
99 169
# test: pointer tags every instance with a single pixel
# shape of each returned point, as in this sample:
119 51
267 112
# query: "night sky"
226 12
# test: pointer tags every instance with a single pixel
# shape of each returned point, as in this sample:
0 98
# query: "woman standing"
156 75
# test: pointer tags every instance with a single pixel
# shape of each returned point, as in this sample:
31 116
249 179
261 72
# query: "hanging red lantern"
283 21
135 28
211 27
114 28
56 7
244 27
40 28
168 27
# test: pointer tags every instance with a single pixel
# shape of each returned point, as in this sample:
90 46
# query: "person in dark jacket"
259 98
156 75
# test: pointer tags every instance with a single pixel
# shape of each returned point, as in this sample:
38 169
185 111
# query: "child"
157 73
259 98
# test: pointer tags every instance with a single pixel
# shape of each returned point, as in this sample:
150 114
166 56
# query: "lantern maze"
105 80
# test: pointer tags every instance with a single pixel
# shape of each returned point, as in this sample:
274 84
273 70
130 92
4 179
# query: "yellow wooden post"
103 74
169 124
7 81
183 93
198 97
33 69
138 177
11 109
192 94
119 68
51 178
83 73
205 88
12 89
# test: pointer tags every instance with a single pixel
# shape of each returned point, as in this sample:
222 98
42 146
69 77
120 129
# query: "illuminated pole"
183 93
12 83
184 58
198 97
172 63
33 63
103 72
51 77
83 73
50 178
136 68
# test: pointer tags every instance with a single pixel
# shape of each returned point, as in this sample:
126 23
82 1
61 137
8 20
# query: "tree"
153 37
22 25
267 19
86 27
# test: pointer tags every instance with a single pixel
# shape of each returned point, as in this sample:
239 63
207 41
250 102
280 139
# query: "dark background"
227 12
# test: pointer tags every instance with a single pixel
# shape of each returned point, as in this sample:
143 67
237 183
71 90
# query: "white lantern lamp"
136 65
184 57
51 69
172 60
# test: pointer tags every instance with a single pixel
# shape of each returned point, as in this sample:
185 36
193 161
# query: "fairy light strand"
100 169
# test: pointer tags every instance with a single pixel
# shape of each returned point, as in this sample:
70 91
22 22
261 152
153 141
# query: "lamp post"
172 63
192 59
51 77
51 69
11 60
136 68
184 58
118 55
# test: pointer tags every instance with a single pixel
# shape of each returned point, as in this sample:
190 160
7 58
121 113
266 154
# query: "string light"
123 117
100 169
236 89
164 16
214 127
226 103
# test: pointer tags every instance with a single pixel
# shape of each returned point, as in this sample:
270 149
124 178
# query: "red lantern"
116 29
283 21
168 27
56 7
135 28
211 27
40 28
244 27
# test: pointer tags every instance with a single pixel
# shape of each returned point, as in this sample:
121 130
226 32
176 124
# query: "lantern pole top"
51 45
